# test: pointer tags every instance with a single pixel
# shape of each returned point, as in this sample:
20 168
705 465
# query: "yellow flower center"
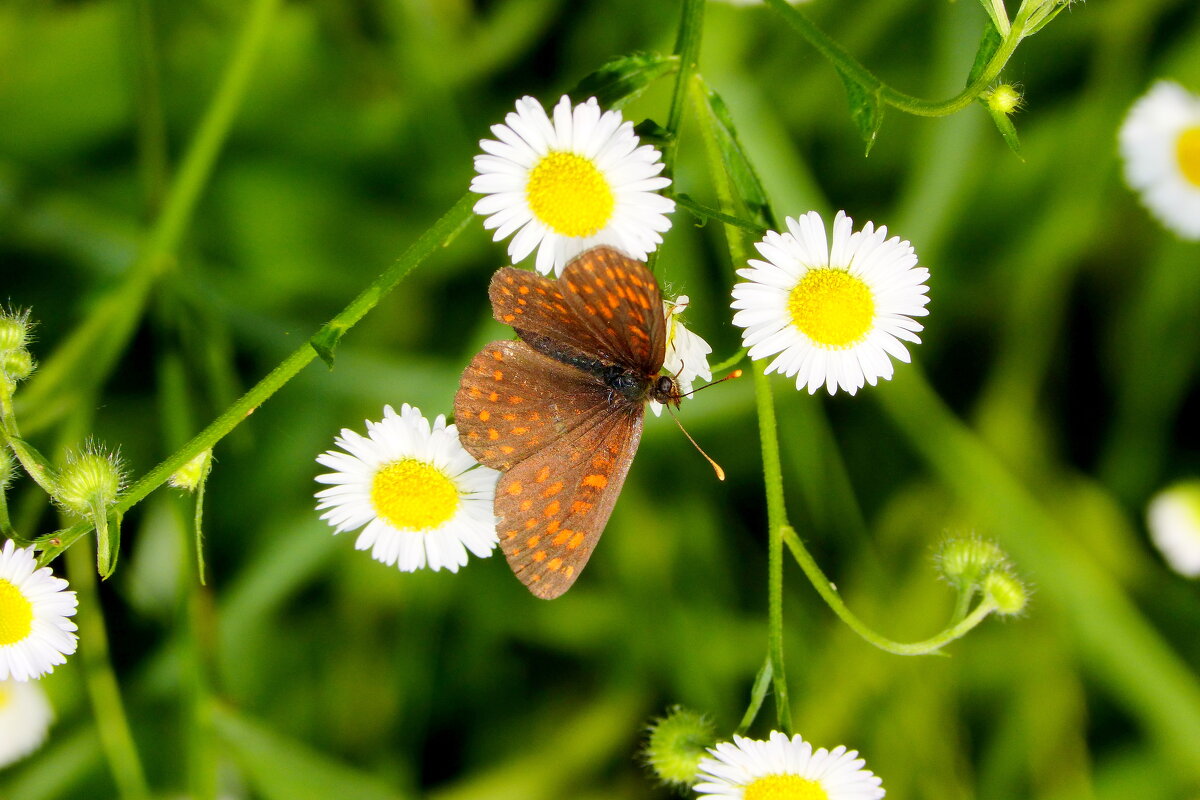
570 195
832 307
1187 150
413 495
16 614
785 787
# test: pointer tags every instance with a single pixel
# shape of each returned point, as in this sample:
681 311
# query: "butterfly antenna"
737 373
716 467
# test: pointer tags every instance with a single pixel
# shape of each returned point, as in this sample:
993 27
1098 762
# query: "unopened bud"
90 481
1006 592
964 560
1005 99
677 743
17 364
14 329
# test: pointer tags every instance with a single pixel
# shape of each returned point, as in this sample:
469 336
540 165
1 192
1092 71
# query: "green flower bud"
676 745
17 364
90 481
1006 592
14 329
1005 98
188 476
964 560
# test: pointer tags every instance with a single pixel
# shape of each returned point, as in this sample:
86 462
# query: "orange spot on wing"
576 540
526 505
551 509
514 488
539 556
493 397
532 541
599 481
554 564
506 448
485 415
580 507
509 317
569 571
562 537
543 473
553 489
498 375
493 434
520 431
496 354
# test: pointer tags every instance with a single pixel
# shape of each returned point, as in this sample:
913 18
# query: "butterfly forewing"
552 508
617 300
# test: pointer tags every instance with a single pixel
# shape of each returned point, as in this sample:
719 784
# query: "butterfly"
559 411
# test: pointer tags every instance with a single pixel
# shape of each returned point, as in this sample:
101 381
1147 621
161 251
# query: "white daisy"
687 353
565 185
1173 518
423 499
35 634
1160 142
25 717
833 314
750 769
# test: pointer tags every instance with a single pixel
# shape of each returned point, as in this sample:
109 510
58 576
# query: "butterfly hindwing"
553 506
513 402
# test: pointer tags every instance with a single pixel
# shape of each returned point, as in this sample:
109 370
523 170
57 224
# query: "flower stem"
852 69
111 721
961 623
440 235
687 47
776 522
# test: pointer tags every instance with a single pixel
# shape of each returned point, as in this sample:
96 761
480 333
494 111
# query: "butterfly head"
666 391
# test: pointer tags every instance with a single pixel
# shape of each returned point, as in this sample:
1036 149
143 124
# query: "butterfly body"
560 411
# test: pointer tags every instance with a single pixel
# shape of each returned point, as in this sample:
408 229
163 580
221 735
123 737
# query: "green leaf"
742 174
622 79
108 543
325 341
865 108
1007 130
279 768
988 46
650 132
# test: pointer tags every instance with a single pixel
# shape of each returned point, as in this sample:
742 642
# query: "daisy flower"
35 634
750 769
1173 518
25 718
687 353
835 314
1160 142
565 185
422 497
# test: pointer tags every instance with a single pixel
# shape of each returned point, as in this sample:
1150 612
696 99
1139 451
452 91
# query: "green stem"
89 353
704 213
437 237
687 48
961 623
111 721
852 69
776 522
758 693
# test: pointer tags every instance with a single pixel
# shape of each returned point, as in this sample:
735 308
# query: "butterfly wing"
513 402
619 303
553 506
605 309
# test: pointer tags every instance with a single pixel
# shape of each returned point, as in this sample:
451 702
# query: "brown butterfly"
560 411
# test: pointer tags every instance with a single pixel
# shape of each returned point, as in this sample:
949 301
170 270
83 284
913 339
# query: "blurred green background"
1063 332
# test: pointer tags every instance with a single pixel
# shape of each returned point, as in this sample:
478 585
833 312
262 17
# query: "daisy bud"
1006 592
1005 99
1173 518
17 364
677 743
14 329
188 476
964 560
91 481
